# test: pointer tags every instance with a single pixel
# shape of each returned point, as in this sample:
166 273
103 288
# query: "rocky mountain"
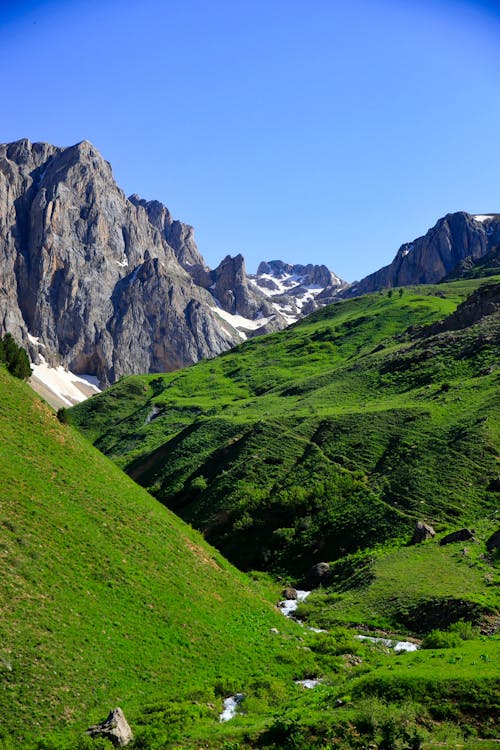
295 290
104 285
455 238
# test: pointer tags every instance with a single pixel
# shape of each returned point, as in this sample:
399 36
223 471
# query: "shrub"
15 357
465 630
441 639
62 415
198 484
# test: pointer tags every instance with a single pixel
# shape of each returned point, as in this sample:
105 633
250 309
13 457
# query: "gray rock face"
429 259
115 728
179 236
92 274
228 283
296 290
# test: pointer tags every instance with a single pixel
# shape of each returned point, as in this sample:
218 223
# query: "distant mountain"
431 258
105 285
294 290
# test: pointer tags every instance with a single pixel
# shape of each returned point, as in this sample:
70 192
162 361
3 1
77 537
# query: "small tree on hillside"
15 357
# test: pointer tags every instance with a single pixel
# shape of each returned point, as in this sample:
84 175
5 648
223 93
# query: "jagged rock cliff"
429 259
107 285
296 290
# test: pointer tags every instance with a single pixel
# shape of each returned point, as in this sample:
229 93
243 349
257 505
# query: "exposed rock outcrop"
483 302
461 535
493 542
318 575
115 729
429 259
422 532
104 283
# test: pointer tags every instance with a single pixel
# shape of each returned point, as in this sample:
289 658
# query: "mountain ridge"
107 286
433 256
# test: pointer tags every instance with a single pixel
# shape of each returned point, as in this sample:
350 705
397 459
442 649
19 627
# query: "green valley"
330 437
324 442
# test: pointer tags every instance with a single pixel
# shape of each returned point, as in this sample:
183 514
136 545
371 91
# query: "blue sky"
326 132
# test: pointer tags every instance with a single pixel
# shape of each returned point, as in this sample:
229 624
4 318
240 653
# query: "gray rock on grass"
461 535
422 532
115 728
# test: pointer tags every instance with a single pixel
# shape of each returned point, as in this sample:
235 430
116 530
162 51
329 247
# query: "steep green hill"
109 599
332 436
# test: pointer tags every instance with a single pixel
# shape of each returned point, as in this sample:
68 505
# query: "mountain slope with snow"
294 289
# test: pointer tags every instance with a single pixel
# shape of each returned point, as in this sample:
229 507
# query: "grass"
326 438
109 599
412 589
325 441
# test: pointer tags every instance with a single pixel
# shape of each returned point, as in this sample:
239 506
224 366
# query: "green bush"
441 639
15 357
466 630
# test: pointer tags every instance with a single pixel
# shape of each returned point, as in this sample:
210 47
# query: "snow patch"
35 340
123 263
67 387
483 217
238 321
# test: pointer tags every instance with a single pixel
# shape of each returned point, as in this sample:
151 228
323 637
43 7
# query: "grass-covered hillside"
329 437
299 441
108 599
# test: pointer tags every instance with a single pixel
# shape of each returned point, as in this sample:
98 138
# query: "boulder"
462 535
115 728
318 575
422 532
289 593
493 542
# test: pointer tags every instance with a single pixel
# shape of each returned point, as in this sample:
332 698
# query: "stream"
288 607
230 707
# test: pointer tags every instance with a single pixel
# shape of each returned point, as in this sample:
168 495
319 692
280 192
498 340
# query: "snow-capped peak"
294 289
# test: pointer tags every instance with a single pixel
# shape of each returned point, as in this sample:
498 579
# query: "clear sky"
326 131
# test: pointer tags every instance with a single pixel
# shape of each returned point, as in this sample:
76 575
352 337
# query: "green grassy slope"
415 588
329 437
109 599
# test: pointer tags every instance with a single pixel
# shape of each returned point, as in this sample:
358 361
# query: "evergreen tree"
15 357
